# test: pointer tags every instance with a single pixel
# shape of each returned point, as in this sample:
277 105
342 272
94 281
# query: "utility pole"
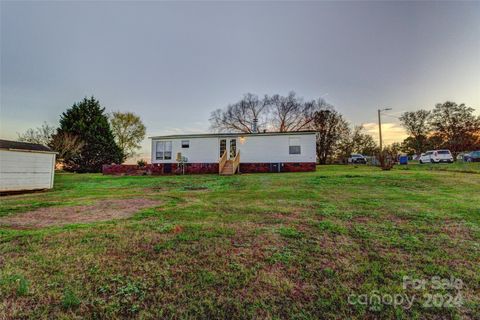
380 125
380 128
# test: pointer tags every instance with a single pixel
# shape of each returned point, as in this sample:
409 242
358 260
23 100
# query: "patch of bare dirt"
55 216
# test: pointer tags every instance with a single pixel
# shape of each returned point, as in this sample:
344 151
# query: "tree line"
87 138
447 126
336 138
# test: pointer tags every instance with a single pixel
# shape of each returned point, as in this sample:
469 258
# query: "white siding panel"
201 150
26 170
276 149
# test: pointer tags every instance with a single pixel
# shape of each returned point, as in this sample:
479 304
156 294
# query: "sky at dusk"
172 63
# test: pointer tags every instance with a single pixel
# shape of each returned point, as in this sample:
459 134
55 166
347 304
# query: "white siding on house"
253 148
24 170
200 150
276 149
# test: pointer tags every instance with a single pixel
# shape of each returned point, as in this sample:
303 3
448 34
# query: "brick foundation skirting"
157 169
277 167
198 168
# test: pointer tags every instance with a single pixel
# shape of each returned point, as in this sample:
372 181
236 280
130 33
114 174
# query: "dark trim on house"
239 134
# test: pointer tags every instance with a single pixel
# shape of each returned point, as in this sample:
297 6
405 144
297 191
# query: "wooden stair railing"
222 161
228 167
236 162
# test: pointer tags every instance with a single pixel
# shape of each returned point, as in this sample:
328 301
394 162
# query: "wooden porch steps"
228 168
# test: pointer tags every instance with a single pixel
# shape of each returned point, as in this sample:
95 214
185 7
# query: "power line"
390 115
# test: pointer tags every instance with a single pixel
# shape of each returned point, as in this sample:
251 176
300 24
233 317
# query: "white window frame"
294 142
162 148
185 142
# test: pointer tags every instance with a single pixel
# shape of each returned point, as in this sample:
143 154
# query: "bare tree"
67 145
417 126
363 142
331 128
356 141
41 135
276 113
291 113
416 122
242 116
455 125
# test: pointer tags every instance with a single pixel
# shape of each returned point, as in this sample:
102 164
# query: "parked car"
357 158
436 156
461 156
473 156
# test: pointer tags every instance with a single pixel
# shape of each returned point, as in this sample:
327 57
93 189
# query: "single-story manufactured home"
25 166
230 153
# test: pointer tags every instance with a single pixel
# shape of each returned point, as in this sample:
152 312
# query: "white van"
436 156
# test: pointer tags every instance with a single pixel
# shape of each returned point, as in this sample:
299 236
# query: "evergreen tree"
88 121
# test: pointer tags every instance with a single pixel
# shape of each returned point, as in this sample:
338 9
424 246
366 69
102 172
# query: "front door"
229 145
223 146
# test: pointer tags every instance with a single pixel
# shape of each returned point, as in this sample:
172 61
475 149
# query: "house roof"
232 134
16 145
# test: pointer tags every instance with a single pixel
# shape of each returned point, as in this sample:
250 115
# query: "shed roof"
16 145
234 134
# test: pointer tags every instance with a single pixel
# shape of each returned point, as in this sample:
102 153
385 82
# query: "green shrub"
141 163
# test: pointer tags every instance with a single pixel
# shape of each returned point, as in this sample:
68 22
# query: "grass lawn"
293 245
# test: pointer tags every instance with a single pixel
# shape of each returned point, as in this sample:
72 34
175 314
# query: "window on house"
223 146
164 150
294 147
185 143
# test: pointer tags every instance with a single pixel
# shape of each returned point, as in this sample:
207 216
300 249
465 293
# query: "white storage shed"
25 166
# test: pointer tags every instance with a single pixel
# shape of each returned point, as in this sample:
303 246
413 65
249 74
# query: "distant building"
25 166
